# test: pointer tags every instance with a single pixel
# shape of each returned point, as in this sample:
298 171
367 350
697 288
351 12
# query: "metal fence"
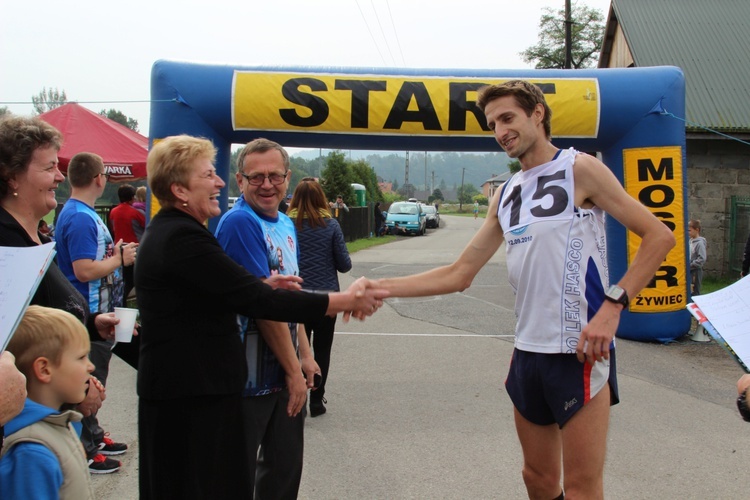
356 223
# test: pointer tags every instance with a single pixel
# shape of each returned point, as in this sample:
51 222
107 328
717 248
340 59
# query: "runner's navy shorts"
551 388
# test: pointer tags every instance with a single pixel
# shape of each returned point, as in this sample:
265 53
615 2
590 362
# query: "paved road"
417 408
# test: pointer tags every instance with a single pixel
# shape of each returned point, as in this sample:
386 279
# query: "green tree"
120 117
364 174
466 193
481 199
514 166
48 99
587 34
389 198
4 111
337 178
436 195
233 190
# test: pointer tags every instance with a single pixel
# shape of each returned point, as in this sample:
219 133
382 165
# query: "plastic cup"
124 329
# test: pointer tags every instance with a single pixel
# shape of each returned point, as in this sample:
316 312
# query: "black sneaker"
109 447
317 408
103 465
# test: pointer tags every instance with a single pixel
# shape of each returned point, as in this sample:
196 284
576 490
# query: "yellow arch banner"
395 105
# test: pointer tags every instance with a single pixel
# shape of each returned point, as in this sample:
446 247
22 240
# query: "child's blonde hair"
45 332
695 224
140 193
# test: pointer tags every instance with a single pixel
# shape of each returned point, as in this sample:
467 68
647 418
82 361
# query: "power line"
395 32
90 102
382 32
667 113
370 32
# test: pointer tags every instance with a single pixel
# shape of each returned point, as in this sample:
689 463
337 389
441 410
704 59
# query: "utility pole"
461 193
568 37
426 187
406 170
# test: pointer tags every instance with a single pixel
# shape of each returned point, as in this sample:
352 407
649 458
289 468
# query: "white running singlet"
556 256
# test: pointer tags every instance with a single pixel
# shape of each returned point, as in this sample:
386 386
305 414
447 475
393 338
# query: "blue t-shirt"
264 246
81 234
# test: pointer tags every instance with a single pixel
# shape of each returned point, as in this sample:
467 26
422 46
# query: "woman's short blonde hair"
45 332
171 161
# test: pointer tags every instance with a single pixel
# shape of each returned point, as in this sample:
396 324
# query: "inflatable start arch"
617 112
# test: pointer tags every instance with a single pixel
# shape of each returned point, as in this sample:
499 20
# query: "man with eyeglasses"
92 261
264 241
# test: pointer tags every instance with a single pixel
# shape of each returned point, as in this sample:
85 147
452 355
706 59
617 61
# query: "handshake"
360 300
365 298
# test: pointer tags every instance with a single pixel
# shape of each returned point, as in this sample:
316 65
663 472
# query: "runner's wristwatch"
617 295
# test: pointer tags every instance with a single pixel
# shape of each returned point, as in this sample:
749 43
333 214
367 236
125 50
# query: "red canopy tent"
123 150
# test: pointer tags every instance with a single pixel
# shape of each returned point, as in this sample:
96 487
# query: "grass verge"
363 243
712 284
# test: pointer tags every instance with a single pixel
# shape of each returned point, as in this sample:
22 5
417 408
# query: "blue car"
405 217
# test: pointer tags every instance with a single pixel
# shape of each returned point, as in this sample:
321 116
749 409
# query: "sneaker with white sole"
109 447
103 465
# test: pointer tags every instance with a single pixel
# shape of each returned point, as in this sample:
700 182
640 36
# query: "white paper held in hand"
124 329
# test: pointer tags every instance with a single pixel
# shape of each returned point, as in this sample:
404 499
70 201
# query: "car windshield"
428 210
403 208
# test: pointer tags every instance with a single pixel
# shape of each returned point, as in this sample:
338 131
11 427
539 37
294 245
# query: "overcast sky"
102 51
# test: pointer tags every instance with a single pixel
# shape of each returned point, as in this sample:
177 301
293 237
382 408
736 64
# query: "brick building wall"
717 169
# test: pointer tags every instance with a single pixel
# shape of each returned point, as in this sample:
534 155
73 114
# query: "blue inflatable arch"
617 112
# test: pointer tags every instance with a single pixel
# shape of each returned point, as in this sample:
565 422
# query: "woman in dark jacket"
192 367
29 176
322 255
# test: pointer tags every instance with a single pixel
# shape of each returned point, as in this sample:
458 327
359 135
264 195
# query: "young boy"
697 255
42 456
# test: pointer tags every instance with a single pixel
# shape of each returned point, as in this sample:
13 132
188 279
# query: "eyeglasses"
259 179
105 174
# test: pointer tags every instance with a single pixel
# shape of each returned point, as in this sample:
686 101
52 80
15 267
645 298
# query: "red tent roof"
123 150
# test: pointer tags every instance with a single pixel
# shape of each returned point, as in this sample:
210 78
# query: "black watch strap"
742 406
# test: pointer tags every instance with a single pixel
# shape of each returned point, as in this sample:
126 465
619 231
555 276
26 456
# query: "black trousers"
320 335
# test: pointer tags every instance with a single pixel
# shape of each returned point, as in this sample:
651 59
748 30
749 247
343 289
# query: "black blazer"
189 292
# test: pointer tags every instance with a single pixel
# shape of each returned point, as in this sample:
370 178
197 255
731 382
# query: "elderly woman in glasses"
192 368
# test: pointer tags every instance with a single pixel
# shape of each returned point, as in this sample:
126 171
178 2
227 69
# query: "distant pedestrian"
379 221
697 255
128 224
746 258
476 209
140 199
339 204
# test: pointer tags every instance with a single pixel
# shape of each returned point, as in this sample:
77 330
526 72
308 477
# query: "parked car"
432 216
409 217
